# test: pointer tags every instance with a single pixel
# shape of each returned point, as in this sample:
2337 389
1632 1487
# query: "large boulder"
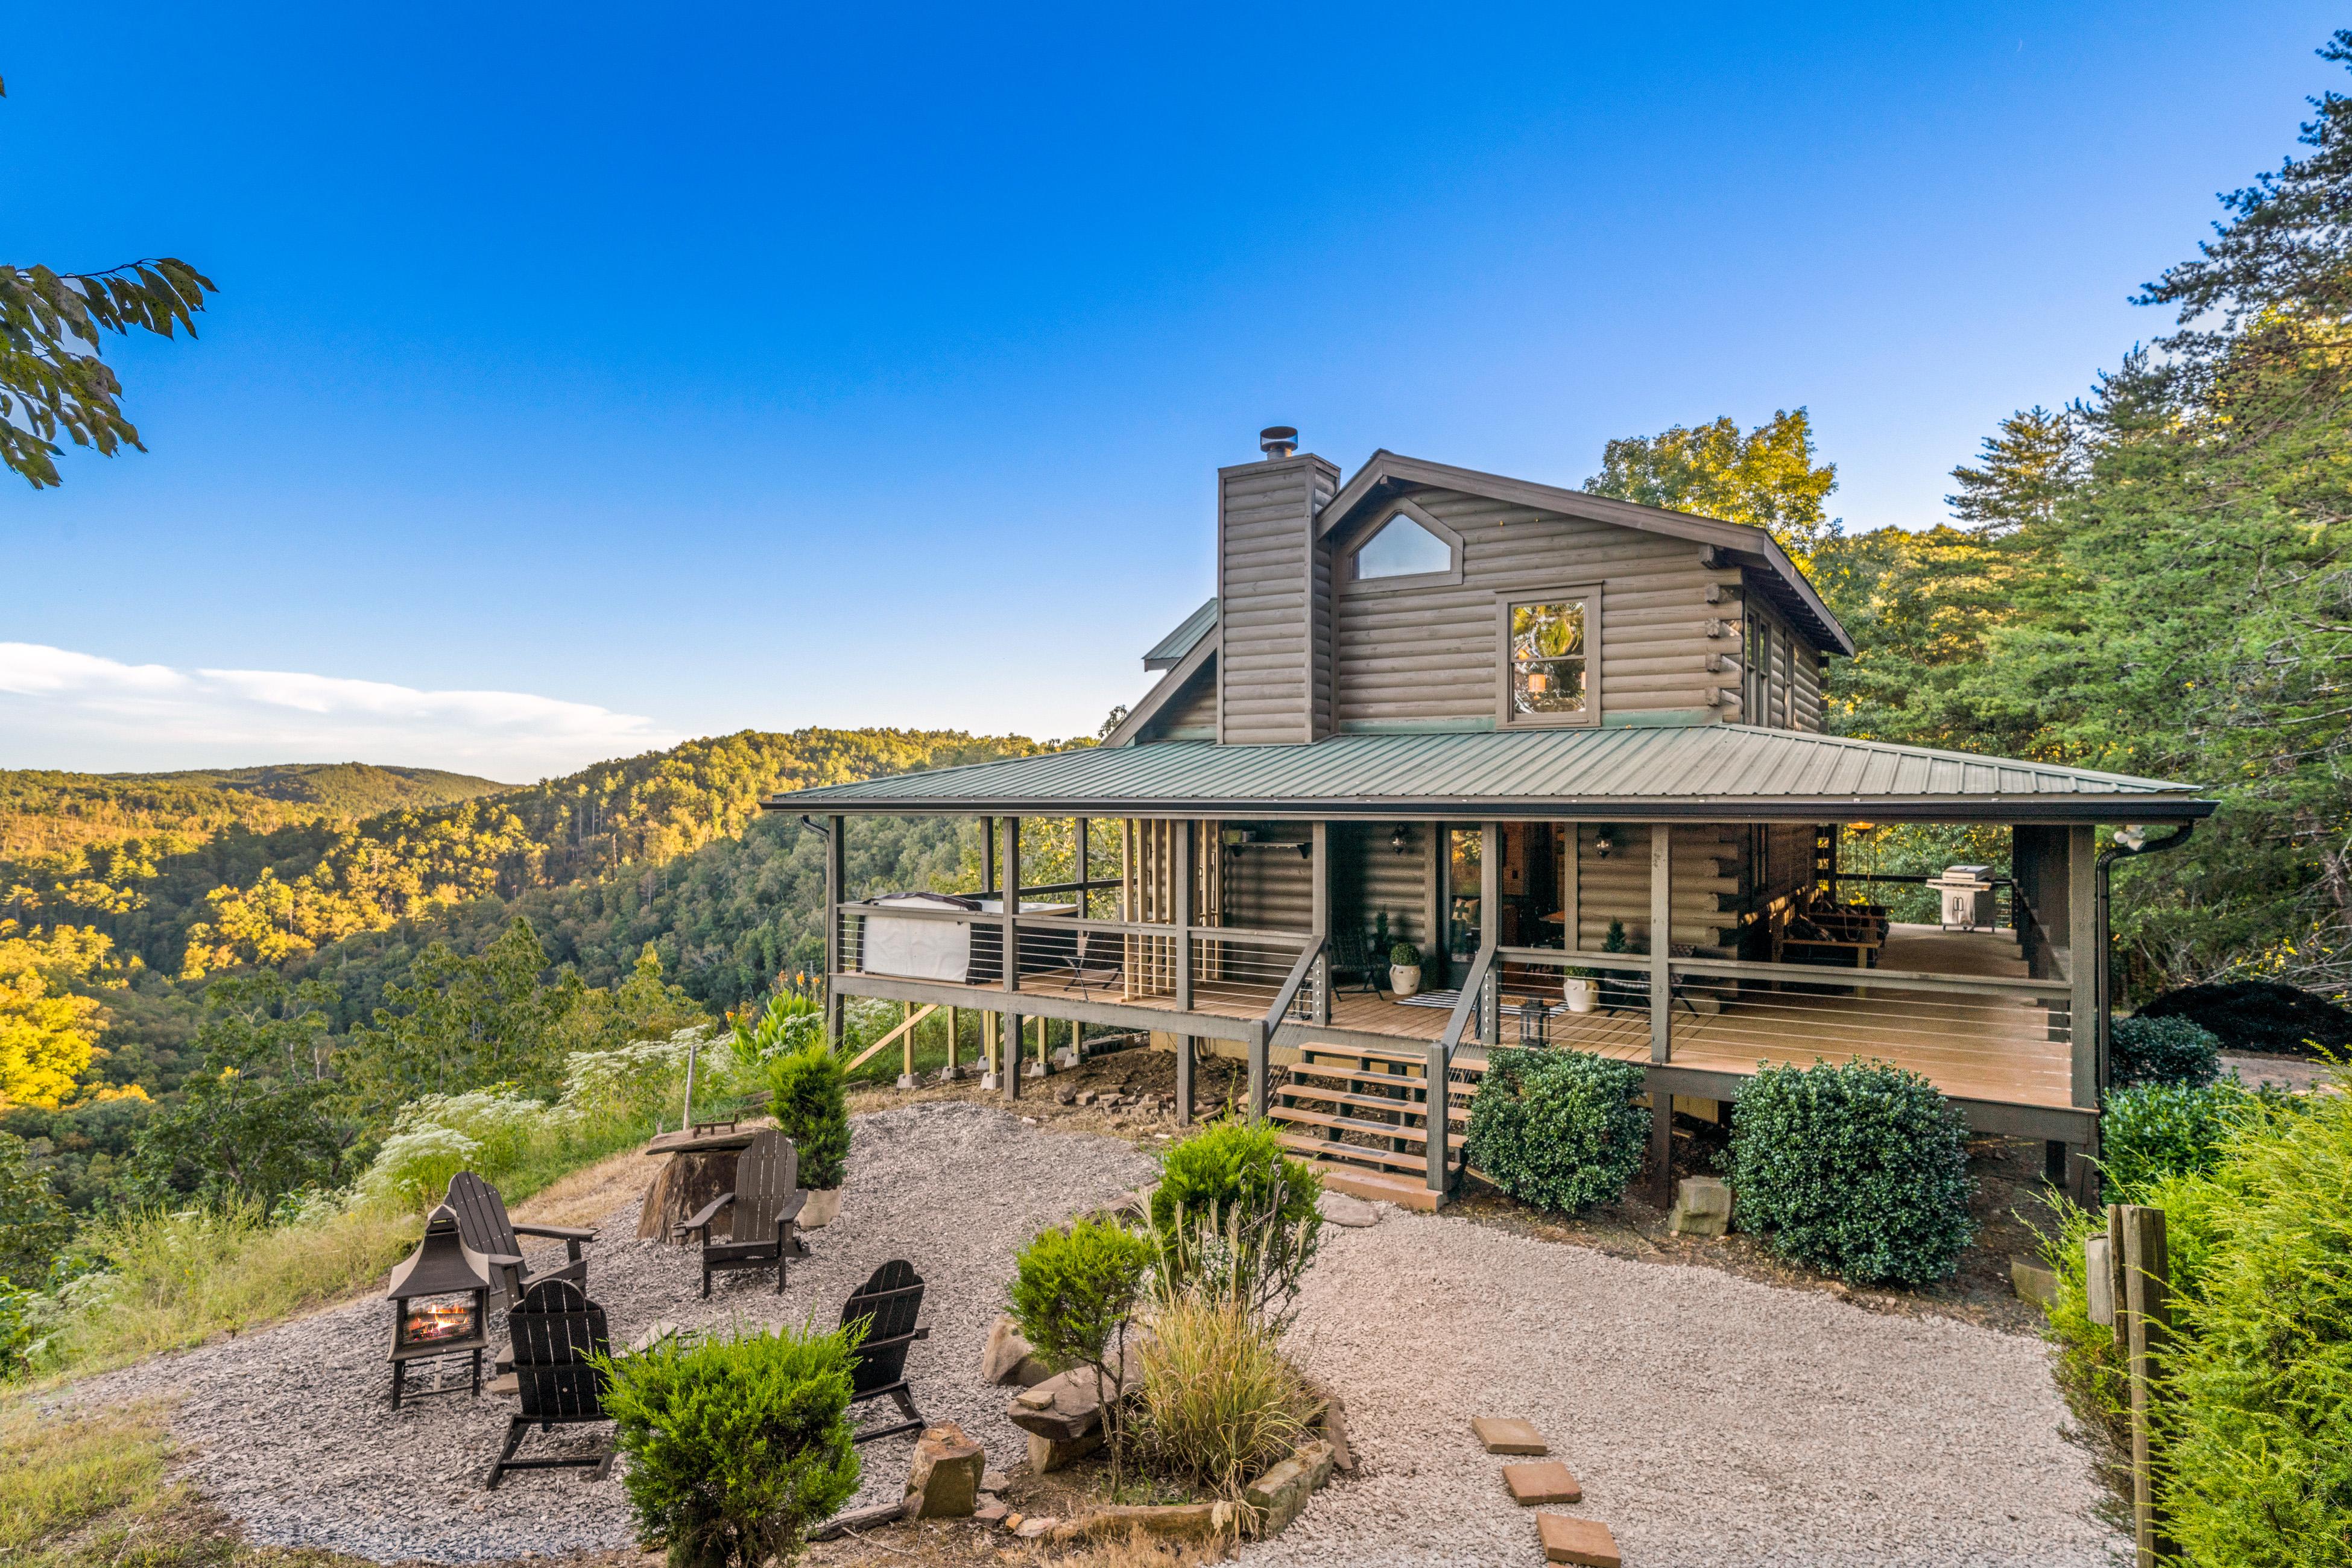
1702 1207
1062 1409
944 1480
1009 1360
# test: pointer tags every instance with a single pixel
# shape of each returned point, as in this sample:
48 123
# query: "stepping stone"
1585 1542
1547 1482
1509 1435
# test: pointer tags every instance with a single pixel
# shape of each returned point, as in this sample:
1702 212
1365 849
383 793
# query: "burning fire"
442 1321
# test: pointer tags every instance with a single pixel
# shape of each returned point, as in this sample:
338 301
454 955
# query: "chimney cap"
1278 441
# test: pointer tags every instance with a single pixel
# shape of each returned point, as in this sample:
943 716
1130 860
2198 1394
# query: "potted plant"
1404 969
1579 991
812 1108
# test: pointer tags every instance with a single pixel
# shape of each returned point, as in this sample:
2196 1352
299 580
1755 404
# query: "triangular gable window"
1404 547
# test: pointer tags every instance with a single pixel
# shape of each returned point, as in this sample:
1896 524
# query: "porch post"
1183 834
1184 1047
1433 938
836 875
1490 926
1260 1046
2083 963
1320 873
1662 940
987 855
1080 857
1009 1055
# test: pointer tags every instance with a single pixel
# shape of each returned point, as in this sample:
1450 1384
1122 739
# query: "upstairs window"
1408 548
1548 658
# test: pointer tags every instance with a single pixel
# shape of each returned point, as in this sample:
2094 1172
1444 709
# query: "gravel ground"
1710 1419
291 1433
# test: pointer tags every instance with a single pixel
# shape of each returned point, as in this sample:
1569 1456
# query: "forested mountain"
43 812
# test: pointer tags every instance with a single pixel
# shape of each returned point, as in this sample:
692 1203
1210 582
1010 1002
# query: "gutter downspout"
2107 859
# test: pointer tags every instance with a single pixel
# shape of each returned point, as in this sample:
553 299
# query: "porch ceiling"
1703 772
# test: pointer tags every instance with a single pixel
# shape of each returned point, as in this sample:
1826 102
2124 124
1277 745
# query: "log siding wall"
1429 655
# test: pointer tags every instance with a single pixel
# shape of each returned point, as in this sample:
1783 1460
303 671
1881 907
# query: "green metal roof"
1169 651
1718 771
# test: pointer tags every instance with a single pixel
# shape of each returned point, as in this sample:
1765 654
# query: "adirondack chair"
482 1225
889 1303
1352 955
759 1211
555 1329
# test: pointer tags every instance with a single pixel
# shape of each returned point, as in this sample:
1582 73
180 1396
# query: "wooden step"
1323 1148
1299 1116
1364 1055
1456 1112
1378 1186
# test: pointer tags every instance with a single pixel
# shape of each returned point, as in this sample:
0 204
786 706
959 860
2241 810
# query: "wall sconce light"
2133 838
1397 841
1604 841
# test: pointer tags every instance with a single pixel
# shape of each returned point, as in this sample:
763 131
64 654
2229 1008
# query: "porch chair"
1104 976
889 1303
483 1225
1351 955
555 1329
761 1210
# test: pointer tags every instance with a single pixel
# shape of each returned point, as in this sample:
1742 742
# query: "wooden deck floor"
1971 1045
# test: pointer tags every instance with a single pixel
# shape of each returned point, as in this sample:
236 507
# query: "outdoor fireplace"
440 1303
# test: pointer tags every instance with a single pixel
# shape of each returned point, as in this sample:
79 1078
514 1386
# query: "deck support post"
1184 835
2083 961
1185 1051
1490 926
1010 892
950 1072
836 875
1662 1145
1661 945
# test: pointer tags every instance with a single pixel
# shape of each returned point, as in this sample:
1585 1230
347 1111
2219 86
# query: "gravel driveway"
1711 1420
291 1433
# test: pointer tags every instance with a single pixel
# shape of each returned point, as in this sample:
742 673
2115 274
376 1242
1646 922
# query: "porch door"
1463 925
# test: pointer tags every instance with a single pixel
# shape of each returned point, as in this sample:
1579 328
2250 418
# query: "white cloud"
64 710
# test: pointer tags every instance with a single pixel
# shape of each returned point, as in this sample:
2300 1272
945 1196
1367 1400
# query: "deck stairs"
1360 1115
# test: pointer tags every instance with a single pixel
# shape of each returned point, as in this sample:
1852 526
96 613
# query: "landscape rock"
1702 1207
1338 1208
994 1480
944 1479
1281 1491
992 1510
1048 1454
1034 1526
1062 1408
1178 1521
1009 1359
2034 1282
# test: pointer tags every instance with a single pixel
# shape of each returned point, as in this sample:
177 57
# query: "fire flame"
442 1321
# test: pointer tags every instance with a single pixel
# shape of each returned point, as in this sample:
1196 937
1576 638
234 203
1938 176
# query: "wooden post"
2083 958
1436 1117
1661 1146
951 1073
988 1050
1184 1058
1009 892
836 874
1662 947
987 855
1079 854
1184 835
1435 940
907 1051
1490 926
1261 1040
1320 873
2147 1286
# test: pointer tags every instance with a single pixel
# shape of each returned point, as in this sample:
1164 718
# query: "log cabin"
1574 752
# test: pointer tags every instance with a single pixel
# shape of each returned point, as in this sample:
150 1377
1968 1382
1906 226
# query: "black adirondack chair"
482 1225
889 1302
760 1211
555 1329
1352 956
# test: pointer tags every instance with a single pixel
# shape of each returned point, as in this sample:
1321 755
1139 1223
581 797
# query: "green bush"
1232 1209
34 1226
1074 1293
1558 1128
2152 1130
2258 1422
2162 1050
789 1021
736 1446
1859 1170
811 1106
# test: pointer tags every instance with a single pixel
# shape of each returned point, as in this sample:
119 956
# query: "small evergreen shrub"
811 1106
736 1446
1074 1293
1234 1209
2152 1130
2162 1050
1558 1128
1859 1170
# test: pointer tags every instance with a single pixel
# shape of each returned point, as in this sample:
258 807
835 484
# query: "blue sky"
582 378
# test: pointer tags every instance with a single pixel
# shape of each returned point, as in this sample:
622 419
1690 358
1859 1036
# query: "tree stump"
694 1171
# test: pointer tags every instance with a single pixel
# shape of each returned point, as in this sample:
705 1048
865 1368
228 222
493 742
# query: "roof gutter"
1840 808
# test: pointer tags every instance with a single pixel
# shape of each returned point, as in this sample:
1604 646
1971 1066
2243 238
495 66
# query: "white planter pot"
1405 980
1580 995
823 1206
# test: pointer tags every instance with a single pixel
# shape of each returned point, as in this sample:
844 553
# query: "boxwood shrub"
1857 1169
2162 1050
1558 1128
2152 1130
